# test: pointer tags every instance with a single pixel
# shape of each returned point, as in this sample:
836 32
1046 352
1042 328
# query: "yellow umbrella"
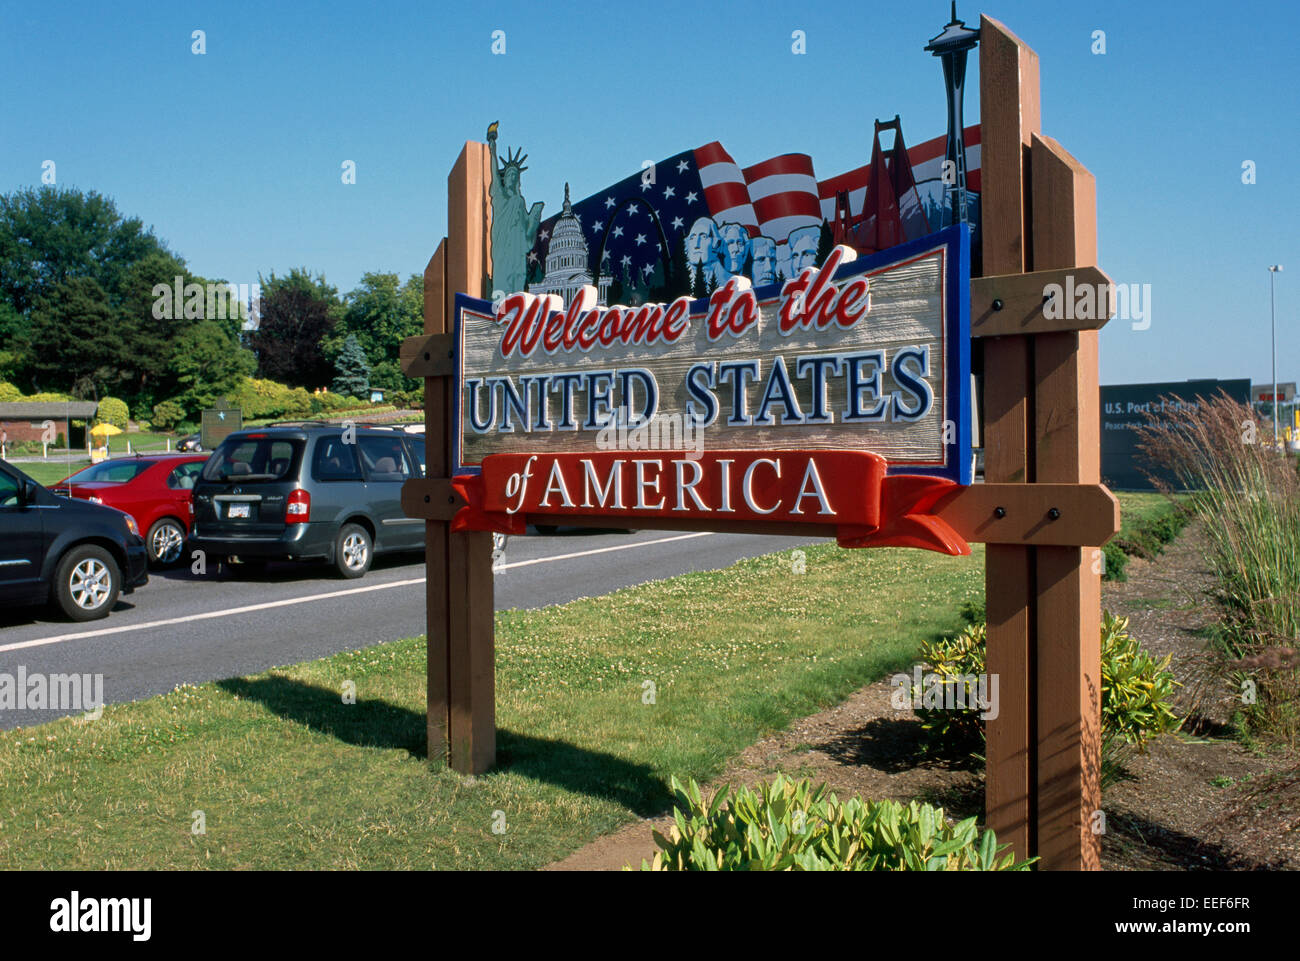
105 430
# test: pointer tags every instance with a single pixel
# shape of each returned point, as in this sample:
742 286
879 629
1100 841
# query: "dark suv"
79 554
308 491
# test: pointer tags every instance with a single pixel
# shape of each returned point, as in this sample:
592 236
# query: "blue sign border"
956 239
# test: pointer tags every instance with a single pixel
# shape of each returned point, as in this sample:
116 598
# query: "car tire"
86 583
353 551
165 541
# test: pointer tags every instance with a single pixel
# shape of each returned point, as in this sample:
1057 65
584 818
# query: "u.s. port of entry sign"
840 397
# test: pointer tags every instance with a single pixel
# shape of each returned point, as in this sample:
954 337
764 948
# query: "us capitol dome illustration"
566 260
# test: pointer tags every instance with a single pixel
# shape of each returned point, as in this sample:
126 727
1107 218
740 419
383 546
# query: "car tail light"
298 509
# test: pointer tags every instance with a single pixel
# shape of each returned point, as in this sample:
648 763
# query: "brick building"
26 420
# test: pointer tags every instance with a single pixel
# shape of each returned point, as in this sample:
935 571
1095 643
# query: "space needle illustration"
952 46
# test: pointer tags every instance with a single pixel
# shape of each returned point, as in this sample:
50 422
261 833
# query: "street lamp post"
1272 310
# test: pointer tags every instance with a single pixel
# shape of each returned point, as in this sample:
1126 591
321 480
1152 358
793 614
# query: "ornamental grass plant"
1248 493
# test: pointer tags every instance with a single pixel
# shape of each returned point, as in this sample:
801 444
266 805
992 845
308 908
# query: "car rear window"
110 472
254 460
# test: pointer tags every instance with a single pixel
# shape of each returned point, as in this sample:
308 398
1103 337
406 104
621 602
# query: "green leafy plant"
793 826
112 411
1136 691
167 414
1116 562
1136 694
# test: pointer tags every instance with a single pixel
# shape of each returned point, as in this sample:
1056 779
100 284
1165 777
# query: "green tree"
825 243
150 325
167 414
52 234
299 312
381 313
13 331
48 237
679 271
208 365
352 370
75 341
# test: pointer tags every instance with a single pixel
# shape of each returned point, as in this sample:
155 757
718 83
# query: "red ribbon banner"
847 489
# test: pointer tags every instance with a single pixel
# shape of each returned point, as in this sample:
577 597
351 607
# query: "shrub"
407 399
327 402
1116 561
1135 697
167 415
112 411
260 398
1148 537
9 393
792 826
973 610
1136 691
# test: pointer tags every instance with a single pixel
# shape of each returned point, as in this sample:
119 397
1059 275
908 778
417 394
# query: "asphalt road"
184 628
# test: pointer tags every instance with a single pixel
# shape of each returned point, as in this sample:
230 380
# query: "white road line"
207 615
287 602
601 550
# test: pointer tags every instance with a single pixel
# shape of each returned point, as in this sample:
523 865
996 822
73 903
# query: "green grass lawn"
56 468
51 471
1138 506
287 775
141 440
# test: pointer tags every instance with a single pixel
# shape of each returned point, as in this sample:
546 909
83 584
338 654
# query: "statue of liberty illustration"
514 224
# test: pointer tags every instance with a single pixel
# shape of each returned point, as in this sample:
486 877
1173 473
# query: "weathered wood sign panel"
825 383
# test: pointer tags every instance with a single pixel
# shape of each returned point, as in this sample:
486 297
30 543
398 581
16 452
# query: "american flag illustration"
639 226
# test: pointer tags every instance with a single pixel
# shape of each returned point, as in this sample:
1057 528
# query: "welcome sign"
790 402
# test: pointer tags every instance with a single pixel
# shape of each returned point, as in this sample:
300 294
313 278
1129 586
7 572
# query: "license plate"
234 511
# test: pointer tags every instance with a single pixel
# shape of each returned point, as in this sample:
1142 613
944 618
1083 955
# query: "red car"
154 489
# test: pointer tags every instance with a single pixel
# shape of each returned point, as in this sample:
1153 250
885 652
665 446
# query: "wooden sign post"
1043 756
1042 512
461 642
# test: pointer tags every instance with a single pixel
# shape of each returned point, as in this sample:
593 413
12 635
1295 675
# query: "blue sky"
234 156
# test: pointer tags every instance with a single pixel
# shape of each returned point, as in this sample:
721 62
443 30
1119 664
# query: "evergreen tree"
352 370
679 276
825 243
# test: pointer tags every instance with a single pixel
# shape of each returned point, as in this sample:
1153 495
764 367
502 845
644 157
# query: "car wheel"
353 551
86 583
165 541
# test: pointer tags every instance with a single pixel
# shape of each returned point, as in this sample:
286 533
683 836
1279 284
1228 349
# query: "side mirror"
26 492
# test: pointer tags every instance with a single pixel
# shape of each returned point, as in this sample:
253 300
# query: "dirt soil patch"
1195 801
